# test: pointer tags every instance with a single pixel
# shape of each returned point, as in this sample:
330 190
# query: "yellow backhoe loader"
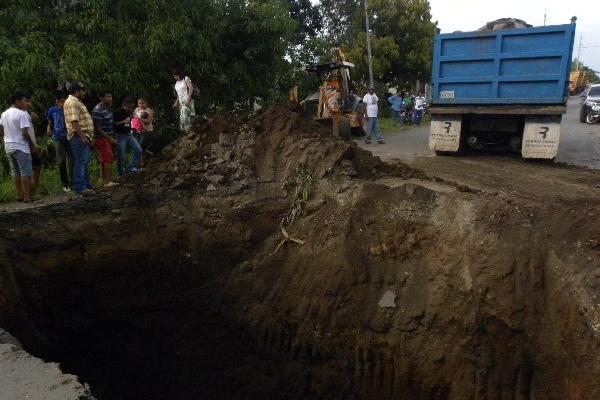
335 104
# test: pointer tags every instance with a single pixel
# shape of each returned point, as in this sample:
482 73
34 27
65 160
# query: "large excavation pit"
264 259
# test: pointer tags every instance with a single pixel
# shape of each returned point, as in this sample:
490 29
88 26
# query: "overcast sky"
469 15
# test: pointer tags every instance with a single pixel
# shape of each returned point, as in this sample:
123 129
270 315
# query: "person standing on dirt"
125 138
103 136
36 160
58 130
184 102
146 115
80 131
370 112
14 127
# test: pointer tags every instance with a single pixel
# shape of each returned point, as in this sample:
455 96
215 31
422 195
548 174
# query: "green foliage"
402 38
233 50
304 181
308 19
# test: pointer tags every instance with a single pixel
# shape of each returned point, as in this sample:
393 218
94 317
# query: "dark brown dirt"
175 286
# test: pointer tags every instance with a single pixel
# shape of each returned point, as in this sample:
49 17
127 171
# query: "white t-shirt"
419 102
14 120
181 87
371 101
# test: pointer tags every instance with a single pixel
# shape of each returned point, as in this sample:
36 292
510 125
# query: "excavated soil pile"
264 259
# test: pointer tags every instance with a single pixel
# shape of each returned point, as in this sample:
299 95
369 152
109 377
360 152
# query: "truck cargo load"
501 88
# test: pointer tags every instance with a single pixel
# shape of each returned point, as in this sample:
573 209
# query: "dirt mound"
504 23
232 154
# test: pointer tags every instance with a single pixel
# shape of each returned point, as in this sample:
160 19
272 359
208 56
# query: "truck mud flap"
540 137
444 133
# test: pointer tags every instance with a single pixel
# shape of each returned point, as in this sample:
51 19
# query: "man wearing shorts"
14 127
103 136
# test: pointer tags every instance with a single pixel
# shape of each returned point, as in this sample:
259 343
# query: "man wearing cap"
80 129
370 112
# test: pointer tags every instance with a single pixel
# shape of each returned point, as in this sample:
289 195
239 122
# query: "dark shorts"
105 152
145 139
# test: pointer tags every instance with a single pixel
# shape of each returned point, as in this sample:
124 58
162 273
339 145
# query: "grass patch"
50 181
389 125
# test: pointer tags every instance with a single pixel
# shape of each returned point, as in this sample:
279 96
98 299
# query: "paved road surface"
509 174
579 142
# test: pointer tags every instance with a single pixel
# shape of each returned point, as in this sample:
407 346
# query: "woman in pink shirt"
146 115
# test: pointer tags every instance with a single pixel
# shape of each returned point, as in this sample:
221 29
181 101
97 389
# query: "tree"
232 49
308 19
402 37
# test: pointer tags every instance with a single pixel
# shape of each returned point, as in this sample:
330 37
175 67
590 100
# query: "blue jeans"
418 117
373 126
124 141
397 115
82 154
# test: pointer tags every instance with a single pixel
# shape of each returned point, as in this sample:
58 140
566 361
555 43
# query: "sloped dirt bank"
182 284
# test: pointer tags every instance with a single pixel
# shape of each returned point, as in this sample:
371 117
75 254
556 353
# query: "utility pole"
579 52
371 83
545 16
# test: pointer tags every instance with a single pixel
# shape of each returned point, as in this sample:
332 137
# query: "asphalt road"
579 142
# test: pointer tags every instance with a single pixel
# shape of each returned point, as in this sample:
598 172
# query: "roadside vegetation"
237 52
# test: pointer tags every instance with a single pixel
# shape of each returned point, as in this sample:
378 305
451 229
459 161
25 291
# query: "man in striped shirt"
103 139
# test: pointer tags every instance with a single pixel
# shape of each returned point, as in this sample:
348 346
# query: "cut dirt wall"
182 282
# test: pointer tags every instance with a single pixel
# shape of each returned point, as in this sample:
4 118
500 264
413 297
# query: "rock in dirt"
388 300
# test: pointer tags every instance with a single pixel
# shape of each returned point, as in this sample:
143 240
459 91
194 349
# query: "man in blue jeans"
125 138
80 131
370 112
419 108
58 131
397 106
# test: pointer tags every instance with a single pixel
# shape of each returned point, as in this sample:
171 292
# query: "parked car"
593 96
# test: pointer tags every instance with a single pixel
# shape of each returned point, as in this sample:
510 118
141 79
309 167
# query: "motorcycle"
594 115
407 115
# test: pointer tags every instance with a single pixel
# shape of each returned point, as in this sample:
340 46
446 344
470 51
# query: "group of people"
76 131
402 104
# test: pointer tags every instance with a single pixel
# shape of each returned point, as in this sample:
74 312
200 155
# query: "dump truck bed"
517 66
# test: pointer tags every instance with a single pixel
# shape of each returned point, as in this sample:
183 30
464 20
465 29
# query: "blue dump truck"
505 88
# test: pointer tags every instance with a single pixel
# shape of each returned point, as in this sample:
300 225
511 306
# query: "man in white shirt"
419 107
370 113
14 127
